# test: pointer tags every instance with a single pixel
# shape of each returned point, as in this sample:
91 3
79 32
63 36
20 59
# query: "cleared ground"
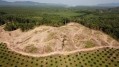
72 45
47 40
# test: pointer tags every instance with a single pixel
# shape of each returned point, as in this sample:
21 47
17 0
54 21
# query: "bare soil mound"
47 39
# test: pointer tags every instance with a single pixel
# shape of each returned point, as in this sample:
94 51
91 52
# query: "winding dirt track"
61 52
64 40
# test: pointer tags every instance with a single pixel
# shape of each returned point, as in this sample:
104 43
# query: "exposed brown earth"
47 40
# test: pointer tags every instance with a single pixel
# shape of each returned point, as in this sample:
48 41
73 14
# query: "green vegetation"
107 57
89 44
105 21
25 18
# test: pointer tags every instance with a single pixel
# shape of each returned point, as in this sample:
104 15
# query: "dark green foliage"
11 26
106 22
15 25
2 13
27 18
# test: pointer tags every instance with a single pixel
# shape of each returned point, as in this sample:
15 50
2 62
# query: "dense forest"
25 18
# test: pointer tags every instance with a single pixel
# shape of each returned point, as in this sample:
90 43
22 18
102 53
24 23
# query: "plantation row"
27 18
107 57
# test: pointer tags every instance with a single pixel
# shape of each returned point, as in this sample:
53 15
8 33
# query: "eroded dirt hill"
47 39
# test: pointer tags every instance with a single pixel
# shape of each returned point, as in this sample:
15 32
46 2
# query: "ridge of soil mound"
47 39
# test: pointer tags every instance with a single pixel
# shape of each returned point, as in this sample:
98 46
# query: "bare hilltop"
47 39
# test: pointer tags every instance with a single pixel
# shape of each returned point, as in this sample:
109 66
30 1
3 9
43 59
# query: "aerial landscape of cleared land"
58 36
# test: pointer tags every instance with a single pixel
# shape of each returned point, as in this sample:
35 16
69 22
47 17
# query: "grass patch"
89 44
31 49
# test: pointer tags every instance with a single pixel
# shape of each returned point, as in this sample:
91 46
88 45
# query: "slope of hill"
27 3
109 5
47 40
3 2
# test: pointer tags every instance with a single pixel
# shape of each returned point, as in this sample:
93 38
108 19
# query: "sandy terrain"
47 40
